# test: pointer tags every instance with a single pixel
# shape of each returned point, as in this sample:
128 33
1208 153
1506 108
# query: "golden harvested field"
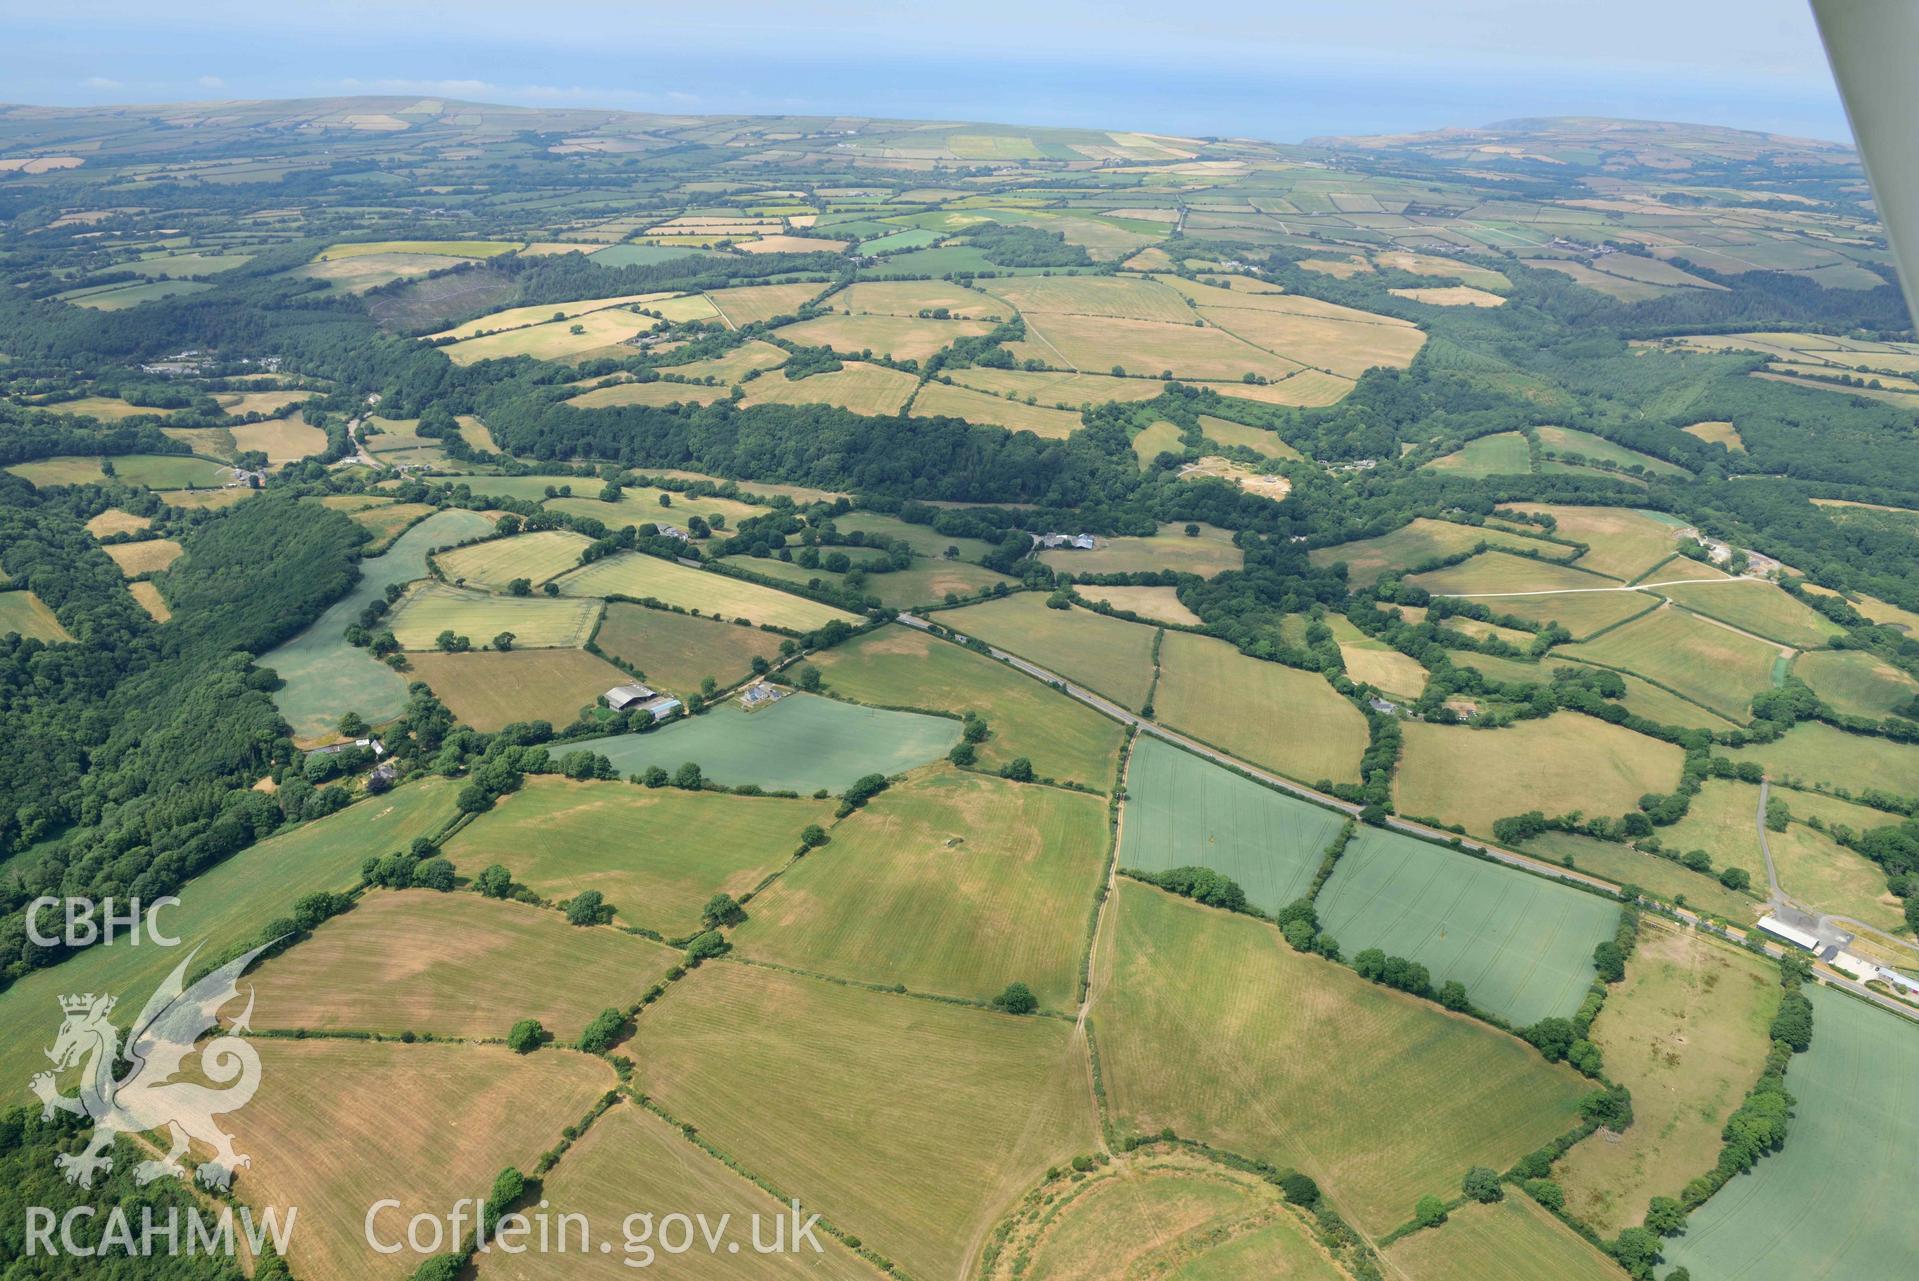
149 557
1159 603
1119 297
910 297
1625 543
282 440
539 314
443 248
1287 720
677 651
629 1160
1105 654
1059 389
537 557
1374 662
1443 268
1209 552
943 400
640 505
1563 763
454 964
388 521
1099 344
1718 433
1258 439
660 392
1451 296
1714 666
467 1111
1306 388
1292 1059
644 577
148 594
261 402
790 245
895 337
1687 1033
657 854
115 521
554 340
105 408
952 883
923 1123
25 613
1513 1240
735 364
494 689
537 622
750 304
361 272
1338 346
861 388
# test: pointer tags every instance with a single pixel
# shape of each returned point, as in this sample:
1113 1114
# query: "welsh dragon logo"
146 1098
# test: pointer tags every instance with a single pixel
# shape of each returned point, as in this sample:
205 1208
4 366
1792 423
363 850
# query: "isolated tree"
504 641
494 881
520 587
588 907
1482 1185
813 836
1016 999
1300 1189
525 1036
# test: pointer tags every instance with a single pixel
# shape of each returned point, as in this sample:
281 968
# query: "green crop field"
23 612
1184 811
1760 608
1834 1202
494 689
1812 753
931 582
468 1110
1827 877
951 883
1368 559
1698 659
1161 437
536 557
678 651
223 908
1281 718
1209 552
1258 439
899 667
1504 453
923 539
1563 763
1568 443
537 622
1514 1240
1856 683
453 965
1623 865
326 677
640 504
155 471
1521 944
800 744
1296 1060
923 1122
1687 1034
1104 654
1723 820
1623 543
651 578
630 1161
671 852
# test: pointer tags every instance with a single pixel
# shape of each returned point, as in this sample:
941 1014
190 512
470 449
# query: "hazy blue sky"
1279 69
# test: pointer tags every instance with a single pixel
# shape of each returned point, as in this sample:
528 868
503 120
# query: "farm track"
1393 822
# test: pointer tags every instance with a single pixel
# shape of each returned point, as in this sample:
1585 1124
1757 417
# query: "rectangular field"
1097 344
1856 683
1160 604
801 743
453 965
676 651
1514 1240
951 883
1760 608
1563 763
1211 551
495 689
1183 811
1282 718
535 557
537 622
226 906
656 854
1700 660
1687 1033
1289 1058
898 667
1105 654
1812 752
1521 944
1661 877
923 1123
1792 1217
941 400
1625 543
857 387
896 337
1369 559
650 577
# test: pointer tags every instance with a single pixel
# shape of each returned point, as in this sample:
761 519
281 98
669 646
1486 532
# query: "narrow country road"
1571 876
1765 846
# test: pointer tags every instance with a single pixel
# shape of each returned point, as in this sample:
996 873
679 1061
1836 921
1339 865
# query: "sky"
1276 69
